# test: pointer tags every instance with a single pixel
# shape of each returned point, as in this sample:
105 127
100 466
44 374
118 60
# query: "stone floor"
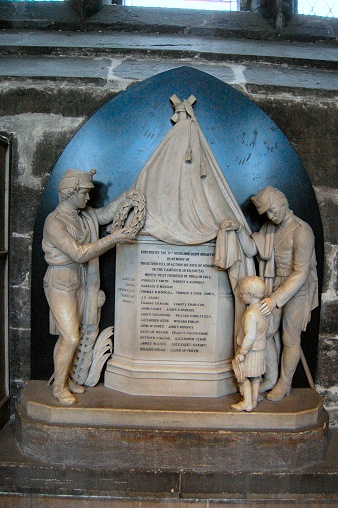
94 502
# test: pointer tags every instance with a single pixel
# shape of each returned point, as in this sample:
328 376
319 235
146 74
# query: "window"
327 8
216 5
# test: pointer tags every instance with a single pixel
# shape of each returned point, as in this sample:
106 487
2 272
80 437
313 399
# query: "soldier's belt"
283 272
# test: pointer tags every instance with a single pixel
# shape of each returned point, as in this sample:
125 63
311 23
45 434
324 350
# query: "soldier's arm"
56 232
106 214
247 243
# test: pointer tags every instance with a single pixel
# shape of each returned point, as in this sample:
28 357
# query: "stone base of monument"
135 377
111 429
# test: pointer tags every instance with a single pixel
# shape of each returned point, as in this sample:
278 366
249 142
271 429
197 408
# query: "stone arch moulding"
118 140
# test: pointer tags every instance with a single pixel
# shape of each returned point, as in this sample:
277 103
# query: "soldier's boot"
72 385
271 364
246 403
75 387
290 359
62 361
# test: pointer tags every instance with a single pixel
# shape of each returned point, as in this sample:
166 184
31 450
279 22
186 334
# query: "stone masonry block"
309 124
329 317
76 99
327 366
327 198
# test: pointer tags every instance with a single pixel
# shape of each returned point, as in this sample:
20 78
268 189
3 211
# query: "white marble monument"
174 309
173 314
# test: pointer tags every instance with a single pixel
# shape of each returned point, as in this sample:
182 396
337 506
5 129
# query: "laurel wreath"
136 201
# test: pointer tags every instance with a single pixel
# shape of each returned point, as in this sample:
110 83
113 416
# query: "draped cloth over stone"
186 193
229 256
188 196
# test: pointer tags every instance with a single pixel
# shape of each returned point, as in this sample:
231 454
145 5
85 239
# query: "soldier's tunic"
287 263
72 288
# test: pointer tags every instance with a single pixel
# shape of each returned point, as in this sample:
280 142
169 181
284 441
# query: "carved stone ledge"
108 428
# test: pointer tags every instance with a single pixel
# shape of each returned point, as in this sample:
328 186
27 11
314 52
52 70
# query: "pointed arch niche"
117 140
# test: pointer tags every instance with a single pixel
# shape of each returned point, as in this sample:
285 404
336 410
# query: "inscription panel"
168 302
176 314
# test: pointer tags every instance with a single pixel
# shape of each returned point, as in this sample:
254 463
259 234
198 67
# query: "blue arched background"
119 138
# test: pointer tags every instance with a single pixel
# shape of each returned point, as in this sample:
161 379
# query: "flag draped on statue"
188 196
186 193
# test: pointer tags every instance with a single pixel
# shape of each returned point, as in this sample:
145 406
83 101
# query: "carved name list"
173 310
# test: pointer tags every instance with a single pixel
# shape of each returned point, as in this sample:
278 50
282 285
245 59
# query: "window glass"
215 5
327 8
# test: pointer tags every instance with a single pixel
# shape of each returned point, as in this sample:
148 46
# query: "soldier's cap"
265 198
74 179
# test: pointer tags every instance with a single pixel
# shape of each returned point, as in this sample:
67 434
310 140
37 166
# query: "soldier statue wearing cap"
72 283
286 253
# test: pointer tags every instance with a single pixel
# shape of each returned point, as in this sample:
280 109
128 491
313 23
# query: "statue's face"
246 297
276 212
80 198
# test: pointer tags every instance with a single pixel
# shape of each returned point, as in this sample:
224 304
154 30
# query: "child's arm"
250 332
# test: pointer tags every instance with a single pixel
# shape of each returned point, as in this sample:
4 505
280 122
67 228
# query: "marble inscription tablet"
173 321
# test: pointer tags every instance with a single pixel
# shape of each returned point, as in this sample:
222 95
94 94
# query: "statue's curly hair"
65 193
253 286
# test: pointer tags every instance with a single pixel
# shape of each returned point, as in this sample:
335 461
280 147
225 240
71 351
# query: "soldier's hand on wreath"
121 235
266 306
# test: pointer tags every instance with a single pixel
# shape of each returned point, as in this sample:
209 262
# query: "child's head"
253 286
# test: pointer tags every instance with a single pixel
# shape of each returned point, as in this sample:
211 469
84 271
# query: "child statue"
249 362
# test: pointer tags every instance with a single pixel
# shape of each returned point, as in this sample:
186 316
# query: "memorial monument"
173 292
174 313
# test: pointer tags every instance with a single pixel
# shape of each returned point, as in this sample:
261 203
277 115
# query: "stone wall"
40 114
